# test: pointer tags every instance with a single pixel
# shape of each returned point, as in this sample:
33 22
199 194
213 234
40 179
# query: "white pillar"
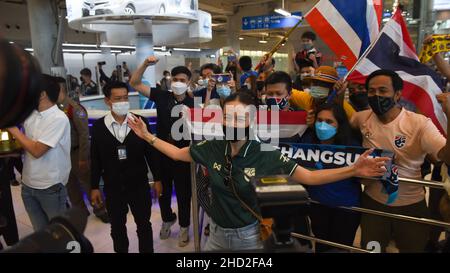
44 34
144 48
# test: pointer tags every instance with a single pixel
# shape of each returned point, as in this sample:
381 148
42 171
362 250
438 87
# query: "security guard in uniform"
78 183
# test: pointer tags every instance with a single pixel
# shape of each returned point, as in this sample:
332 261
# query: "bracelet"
152 141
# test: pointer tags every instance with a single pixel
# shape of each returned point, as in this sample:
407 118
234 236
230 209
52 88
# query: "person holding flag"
411 137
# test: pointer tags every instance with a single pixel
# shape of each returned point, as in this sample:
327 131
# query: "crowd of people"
62 162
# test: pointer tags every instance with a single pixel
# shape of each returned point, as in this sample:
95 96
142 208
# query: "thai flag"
207 123
394 50
347 27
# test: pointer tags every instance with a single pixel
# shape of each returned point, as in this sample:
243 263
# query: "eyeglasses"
228 169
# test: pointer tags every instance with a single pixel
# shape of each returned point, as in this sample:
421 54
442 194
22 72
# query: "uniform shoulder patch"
81 113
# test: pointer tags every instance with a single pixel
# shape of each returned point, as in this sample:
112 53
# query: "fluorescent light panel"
80 45
283 12
82 51
187 49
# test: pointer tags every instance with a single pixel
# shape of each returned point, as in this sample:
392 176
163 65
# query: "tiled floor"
98 233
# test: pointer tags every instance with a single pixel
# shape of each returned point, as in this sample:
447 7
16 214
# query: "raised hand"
151 60
139 127
340 86
310 118
444 100
370 167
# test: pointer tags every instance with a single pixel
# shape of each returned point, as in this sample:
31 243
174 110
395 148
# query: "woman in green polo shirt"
234 227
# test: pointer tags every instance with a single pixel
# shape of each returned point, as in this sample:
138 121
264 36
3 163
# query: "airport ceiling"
220 11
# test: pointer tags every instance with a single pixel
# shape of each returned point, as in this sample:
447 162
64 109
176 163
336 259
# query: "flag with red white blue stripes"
347 27
395 51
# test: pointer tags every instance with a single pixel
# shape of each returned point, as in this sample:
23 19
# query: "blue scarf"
316 156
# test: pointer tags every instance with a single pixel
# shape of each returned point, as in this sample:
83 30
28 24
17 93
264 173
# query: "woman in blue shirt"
329 223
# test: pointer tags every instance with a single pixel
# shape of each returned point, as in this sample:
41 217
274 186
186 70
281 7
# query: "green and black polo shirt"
226 210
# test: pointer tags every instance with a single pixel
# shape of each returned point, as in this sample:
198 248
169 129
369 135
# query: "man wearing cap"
323 82
78 183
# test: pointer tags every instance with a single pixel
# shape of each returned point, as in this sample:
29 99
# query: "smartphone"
231 58
221 78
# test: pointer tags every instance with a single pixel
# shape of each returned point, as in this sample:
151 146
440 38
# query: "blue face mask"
325 131
223 91
282 103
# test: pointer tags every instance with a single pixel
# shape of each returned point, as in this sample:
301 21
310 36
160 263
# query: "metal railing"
425 183
333 244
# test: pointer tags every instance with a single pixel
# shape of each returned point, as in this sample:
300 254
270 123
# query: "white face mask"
121 108
319 92
179 88
168 78
203 83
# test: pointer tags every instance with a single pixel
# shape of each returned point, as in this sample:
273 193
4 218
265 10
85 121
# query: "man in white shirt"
47 157
122 159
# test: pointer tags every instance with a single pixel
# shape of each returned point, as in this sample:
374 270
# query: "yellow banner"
439 43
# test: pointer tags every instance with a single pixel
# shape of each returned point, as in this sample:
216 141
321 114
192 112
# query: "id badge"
122 152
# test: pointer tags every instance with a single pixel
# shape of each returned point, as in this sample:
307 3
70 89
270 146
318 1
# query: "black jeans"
178 173
333 224
409 236
139 200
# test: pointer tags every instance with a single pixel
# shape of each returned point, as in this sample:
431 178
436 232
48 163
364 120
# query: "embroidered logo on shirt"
284 158
249 172
217 166
399 141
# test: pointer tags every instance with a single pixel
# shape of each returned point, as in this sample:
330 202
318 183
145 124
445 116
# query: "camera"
283 199
101 63
64 234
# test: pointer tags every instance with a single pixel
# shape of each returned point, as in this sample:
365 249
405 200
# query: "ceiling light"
80 45
118 46
241 38
82 51
187 49
283 12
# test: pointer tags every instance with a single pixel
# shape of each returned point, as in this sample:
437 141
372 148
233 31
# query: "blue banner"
270 21
316 156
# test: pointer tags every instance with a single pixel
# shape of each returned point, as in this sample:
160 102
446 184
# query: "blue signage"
270 21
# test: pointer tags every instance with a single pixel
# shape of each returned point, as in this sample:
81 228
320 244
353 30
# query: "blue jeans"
43 205
231 239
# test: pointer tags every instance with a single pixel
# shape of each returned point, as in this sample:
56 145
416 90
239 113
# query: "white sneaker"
164 233
183 237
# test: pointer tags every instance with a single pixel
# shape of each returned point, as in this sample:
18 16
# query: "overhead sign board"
270 21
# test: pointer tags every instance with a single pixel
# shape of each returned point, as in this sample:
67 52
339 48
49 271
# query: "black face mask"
381 105
360 101
238 133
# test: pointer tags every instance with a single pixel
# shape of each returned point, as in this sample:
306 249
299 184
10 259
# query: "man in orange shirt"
411 137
